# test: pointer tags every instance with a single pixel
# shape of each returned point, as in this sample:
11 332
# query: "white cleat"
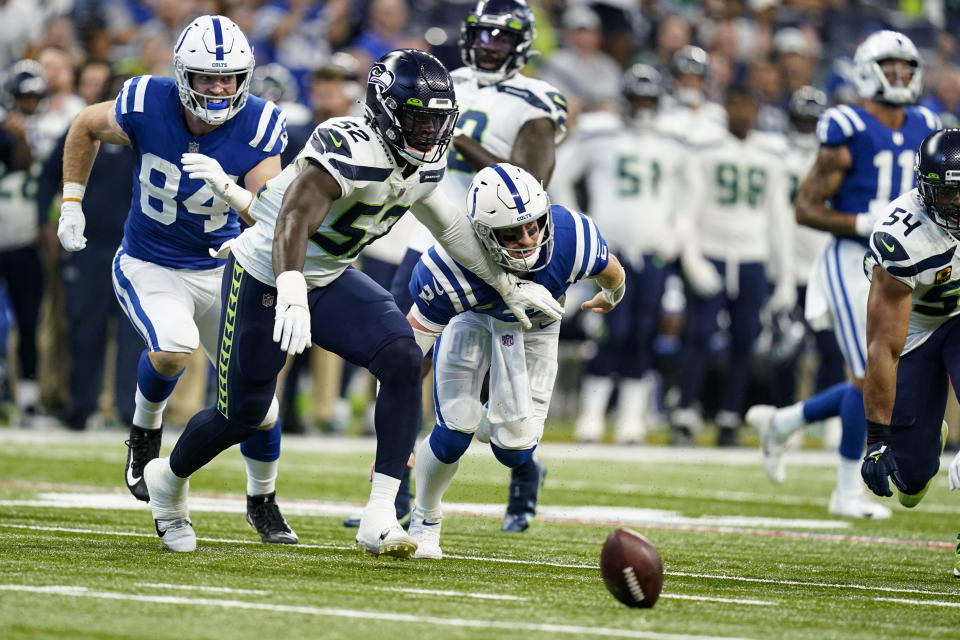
426 533
856 504
381 534
168 502
177 535
760 417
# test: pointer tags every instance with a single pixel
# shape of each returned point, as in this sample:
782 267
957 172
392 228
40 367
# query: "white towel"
510 395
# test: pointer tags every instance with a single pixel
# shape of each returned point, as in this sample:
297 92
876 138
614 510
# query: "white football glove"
783 299
524 294
201 167
72 221
702 276
954 472
292 325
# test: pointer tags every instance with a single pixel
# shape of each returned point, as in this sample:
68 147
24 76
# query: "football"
631 568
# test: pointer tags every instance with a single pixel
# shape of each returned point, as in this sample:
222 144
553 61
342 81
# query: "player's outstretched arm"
612 281
92 125
888 319
823 181
305 205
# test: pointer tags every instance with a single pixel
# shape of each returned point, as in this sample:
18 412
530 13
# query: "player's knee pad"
272 414
448 444
460 414
512 457
398 362
516 434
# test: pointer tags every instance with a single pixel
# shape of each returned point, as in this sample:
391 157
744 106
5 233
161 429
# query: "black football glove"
879 463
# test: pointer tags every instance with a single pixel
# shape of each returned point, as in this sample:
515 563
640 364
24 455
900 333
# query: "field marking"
453 594
932 603
83 592
520 561
678 596
197 587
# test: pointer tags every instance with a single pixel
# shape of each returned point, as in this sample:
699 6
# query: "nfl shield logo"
193 147
507 340
268 300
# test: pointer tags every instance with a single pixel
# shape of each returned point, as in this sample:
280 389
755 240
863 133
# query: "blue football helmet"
642 87
495 39
938 177
410 101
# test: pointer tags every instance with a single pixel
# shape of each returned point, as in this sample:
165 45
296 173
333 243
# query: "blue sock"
826 404
263 445
153 386
854 422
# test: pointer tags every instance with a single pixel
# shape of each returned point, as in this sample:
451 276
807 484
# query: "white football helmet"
502 197
213 45
872 83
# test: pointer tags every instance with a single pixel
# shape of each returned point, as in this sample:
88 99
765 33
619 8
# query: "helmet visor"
491 46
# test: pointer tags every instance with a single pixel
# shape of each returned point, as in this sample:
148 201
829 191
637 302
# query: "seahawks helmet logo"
381 76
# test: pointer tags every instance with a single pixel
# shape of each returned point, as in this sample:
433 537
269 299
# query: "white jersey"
923 255
694 127
18 207
493 115
738 207
634 177
374 195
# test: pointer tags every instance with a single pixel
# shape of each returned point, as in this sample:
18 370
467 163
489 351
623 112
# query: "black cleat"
144 446
728 437
525 483
264 515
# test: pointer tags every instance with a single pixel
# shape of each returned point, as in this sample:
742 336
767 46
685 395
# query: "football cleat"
264 516
856 504
426 533
760 417
143 446
524 494
177 534
381 535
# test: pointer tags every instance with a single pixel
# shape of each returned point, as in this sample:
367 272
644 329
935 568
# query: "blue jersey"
441 288
883 159
174 220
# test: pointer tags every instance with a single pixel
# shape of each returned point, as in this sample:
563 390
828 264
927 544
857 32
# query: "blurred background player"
633 177
865 159
20 264
912 328
347 188
165 277
547 244
504 117
736 221
688 114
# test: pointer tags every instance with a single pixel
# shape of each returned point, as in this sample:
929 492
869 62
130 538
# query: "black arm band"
877 432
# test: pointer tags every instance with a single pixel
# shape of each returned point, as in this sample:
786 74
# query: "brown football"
631 568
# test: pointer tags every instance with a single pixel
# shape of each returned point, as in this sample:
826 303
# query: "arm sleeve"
449 225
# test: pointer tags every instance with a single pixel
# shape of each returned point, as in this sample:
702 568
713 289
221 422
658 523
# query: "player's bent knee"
398 362
168 363
512 457
272 414
460 414
448 444
516 434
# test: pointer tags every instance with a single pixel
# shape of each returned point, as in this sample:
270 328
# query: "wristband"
877 432
864 224
73 192
237 197
615 295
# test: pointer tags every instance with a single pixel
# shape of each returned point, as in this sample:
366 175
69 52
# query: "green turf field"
79 557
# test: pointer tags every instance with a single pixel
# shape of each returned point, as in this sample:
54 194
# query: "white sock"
28 394
594 396
261 476
147 414
177 487
433 478
632 409
383 491
848 476
787 420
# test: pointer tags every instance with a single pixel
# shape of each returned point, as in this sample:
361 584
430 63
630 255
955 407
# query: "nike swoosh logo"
544 325
336 143
890 248
430 524
132 479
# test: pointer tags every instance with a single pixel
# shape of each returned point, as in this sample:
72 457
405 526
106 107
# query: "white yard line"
197 587
518 561
332 612
762 603
450 594
929 603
